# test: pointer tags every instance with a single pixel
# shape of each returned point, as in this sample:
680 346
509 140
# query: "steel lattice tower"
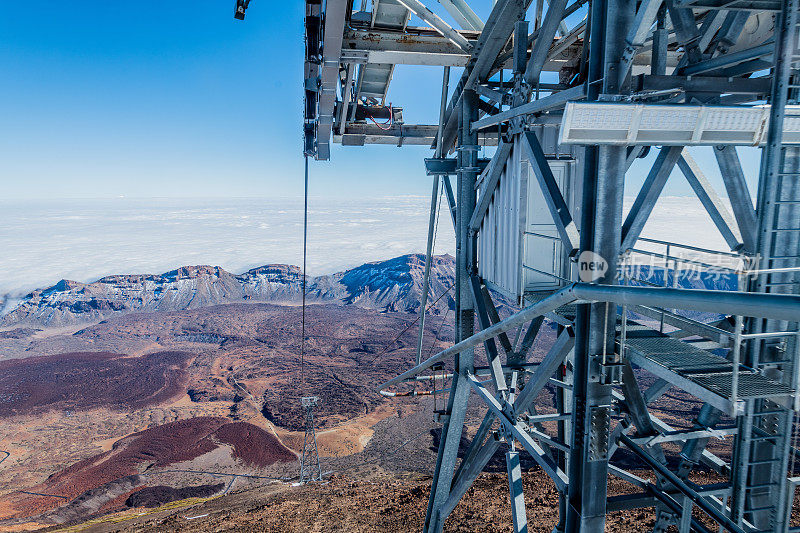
310 467
542 222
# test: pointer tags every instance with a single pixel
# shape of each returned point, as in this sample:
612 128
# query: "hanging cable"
433 225
794 440
390 344
431 306
305 254
438 330
436 227
435 233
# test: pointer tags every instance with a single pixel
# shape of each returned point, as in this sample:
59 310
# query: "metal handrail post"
623 334
736 357
666 284
796 372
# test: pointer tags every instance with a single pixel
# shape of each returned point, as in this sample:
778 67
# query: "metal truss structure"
571 93
310 467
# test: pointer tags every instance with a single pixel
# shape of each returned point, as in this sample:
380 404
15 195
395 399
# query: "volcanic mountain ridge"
391 285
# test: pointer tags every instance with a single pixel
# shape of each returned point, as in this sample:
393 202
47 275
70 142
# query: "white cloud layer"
83 240
87 239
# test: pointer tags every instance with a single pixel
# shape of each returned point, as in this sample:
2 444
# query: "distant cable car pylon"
310 467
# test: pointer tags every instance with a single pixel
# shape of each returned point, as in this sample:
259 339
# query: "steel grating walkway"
751 385
564 313
699 372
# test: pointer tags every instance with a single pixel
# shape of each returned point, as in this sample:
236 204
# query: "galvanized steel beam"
528 442
546 103
495 318
681 486
436 22
518 515
360 134
541 46
727 60
638 34
551 193
496 32
481 452
493 356
774 306
465 316
711 201
335 11
463 13
493 173
738 193
648 195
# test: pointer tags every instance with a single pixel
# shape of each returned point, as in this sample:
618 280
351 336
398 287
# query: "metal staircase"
705 375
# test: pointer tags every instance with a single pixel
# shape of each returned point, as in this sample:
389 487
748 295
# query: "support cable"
391 343
432 224
426 281
438 330
305 255
310 466
795 437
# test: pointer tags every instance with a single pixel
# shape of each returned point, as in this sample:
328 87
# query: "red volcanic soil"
252 445
80 381
160 446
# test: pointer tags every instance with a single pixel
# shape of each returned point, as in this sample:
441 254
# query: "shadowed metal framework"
571 93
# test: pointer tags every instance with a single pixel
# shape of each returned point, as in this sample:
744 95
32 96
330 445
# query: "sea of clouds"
83 240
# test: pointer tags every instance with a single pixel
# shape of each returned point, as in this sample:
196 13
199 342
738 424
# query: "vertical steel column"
466 265
601 233
759 493
774 172
578 451
658 64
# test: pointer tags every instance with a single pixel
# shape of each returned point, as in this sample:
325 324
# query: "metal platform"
703 374
747 5
564 315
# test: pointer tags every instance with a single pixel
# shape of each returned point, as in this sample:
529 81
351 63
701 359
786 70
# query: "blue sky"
105 99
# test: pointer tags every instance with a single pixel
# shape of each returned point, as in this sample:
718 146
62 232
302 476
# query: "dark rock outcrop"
159 495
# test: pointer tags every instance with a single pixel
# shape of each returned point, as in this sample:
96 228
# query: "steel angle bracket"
611 374
608 372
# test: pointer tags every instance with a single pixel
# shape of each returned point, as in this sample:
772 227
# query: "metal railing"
737 336
776 306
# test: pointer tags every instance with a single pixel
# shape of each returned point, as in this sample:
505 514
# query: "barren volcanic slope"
184 399
154 448
90 379
193 387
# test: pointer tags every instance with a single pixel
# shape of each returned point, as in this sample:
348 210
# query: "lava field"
87 380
